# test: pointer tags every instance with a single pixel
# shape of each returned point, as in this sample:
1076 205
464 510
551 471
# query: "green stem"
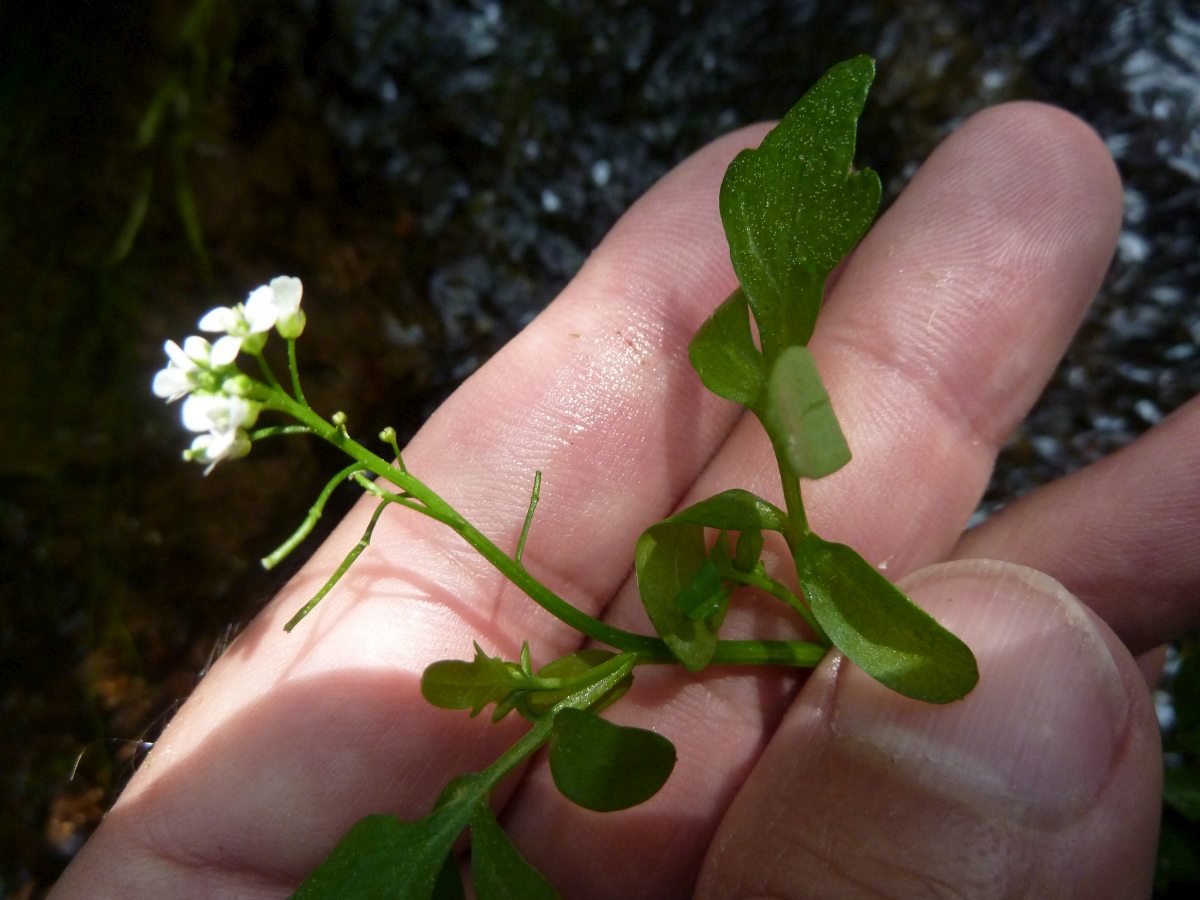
333 579
601 672
796 654
780 591
388 436
265 368
314 513
277 430
425 501
432 505
533 502
795 531
614 670
294 369
372 488
525 746
794 504
647 648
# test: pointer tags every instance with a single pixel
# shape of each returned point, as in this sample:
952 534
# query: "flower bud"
291 326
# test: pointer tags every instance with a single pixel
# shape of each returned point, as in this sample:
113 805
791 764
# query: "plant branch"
333 579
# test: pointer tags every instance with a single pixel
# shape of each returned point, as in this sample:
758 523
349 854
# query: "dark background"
434 172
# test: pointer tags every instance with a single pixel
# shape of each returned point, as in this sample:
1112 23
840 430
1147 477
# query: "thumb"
1044 781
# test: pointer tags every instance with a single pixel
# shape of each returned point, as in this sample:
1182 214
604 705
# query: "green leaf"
733 510
800 419
383 857
449 884
606 767
792 208
705 595
572 666
575 663
498 870
748 550
457 684
675 574
671 556
724 355
877 627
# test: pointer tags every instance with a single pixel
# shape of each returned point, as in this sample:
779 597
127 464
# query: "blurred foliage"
173 124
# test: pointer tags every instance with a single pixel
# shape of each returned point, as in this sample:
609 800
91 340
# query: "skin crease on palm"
937 337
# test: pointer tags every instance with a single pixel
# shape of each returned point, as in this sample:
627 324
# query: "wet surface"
435 172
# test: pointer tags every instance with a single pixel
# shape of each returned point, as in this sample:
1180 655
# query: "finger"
1043 782
937 338
950 319
1120 534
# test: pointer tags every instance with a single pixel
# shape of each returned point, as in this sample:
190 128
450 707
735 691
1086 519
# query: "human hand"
937 337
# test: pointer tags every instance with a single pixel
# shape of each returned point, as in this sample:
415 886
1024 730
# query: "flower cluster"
216 407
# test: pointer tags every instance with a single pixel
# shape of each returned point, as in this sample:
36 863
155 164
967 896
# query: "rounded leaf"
606 767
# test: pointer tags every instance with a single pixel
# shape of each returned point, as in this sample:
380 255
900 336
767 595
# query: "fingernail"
1041 730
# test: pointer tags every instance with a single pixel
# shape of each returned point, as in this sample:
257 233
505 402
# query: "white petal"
171 383
199 449
178 356
218 412
234 413
213 447
225 350
200 452
260 310
238 447
223 318
198 410
219 444
288 291
197 349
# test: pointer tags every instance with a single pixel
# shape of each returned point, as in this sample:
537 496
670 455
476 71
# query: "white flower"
184 370
222 319
218 408
274 305
215 446
244 325
227 347
223 420
260 309
290 319
218 413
